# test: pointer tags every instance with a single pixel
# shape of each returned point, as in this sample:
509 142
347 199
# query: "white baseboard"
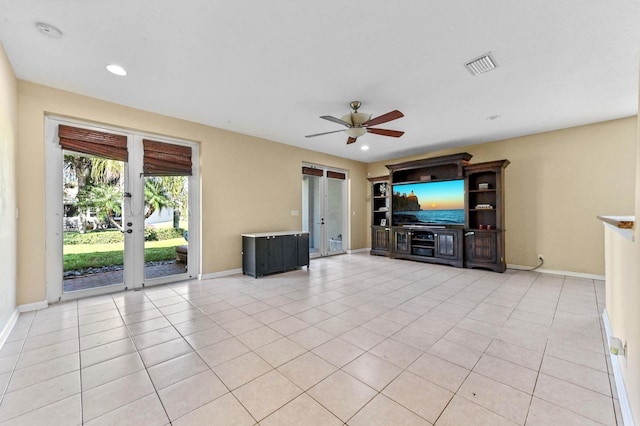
9 327
33 306
220 274
360 250
554 272
625 407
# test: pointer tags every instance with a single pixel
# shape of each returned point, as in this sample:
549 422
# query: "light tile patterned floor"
355 340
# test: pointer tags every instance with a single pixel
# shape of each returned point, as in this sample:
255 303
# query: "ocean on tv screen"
444 217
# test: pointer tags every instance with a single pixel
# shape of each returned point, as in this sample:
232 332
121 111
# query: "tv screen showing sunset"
447 195
429 202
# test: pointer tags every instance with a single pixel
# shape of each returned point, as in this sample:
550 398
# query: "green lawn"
82 256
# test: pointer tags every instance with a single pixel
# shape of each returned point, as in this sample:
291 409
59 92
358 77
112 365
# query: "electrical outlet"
540 256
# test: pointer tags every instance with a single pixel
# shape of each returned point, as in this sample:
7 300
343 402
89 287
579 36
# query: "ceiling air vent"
482 64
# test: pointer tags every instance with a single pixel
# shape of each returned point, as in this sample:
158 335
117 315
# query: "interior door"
324 209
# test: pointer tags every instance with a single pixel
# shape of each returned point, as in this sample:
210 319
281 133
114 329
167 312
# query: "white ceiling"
271 68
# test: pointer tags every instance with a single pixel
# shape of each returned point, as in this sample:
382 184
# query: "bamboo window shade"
93 142
320 172
336 175
311 171
165 159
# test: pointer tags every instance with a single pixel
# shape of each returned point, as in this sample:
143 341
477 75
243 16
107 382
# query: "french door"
324 209
117 220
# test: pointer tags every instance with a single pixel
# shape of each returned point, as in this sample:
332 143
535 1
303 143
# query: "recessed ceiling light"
493 117
364 147
116 69
48 30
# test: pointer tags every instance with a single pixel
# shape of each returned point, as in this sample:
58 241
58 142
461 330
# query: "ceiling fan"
359 123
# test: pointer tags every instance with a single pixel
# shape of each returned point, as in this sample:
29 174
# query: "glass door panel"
312 219
166 226
93 243
335 214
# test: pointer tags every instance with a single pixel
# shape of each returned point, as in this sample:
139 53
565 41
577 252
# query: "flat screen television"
428 203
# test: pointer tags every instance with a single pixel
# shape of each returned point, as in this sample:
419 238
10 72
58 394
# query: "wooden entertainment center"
476 243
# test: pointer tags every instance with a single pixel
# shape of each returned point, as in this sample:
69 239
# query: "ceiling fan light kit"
356 132
358 123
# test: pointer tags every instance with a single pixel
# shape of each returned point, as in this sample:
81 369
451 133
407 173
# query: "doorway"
324 209
127 214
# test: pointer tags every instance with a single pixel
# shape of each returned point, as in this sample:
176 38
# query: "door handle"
469 234
129 231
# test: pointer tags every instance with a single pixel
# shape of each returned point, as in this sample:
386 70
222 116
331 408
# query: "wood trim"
460 159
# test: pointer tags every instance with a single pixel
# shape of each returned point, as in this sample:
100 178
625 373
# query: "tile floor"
355 340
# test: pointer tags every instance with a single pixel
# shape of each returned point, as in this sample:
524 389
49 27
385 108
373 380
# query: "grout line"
280 287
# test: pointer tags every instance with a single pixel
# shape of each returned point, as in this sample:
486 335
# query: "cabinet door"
276 254
380 238
290 251
446 245
481 247
303 249
401 241
261 256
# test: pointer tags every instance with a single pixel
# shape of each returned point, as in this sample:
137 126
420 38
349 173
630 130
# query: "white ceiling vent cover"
482 64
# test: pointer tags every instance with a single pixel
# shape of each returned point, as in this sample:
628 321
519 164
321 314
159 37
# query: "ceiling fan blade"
393 115
351 140
336 120
324 133
385 132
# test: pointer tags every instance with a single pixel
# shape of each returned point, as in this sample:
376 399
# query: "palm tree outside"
93 193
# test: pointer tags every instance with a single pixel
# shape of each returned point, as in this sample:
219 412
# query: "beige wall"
556 185
623 294
8 230
247 184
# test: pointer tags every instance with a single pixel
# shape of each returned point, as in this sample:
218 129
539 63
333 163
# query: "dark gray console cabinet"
272 252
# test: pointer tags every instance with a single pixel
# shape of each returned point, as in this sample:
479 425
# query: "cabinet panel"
481 247
289 251
447 244
380 238
401 241
303 249
276 254
261 256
